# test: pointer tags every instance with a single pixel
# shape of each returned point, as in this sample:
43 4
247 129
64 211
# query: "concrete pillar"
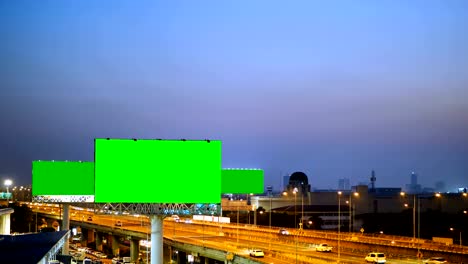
156 239
181 257
115 245
169 251
134 249
5 224
84 237
98 241
255 217
66 226
204 260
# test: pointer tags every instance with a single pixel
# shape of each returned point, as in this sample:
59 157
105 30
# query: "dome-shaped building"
300 181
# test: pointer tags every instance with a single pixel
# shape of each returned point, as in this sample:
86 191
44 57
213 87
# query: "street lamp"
302 210
339 223
269 219
403 194
351 212
453 229
8 182
295 213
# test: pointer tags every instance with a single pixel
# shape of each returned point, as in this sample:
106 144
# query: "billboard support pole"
156 239
65 226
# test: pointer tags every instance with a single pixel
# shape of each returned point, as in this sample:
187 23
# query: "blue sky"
331 88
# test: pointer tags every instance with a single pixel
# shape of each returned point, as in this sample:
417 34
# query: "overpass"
230 243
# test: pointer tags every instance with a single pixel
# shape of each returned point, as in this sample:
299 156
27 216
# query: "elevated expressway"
232 241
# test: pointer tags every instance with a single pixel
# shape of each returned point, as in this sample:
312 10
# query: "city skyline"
333 89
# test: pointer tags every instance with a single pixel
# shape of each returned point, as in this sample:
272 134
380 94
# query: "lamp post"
295 190
418 206
295 217
403 194
339 223
237 223
351 212
302 210
8 182
270 189
453 229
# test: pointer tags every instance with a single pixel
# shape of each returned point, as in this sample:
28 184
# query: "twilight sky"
331 88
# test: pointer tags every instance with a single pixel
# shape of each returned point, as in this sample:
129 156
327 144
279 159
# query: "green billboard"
242 181
157 171
62 178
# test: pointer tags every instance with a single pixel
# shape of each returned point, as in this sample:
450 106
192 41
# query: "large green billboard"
63 179
242 181
157 171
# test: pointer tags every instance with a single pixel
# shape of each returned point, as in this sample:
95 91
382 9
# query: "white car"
323 248
376 257
258 253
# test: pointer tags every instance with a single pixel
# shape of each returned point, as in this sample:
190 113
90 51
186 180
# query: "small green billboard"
63 180
242 181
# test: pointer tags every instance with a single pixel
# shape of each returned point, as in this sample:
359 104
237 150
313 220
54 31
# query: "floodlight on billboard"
63 181
242 181
157 171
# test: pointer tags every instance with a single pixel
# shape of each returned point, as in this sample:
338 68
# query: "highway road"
297 247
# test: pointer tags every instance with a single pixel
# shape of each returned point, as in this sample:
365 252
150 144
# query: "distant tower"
413 187
414 178
373 179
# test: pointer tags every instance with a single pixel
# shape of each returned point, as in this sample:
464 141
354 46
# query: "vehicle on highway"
175 218
258 253
126 260
323 248
376 257
283 232
116 260
100 255
90 218
79 255
435 260
188 221
87 261
118 223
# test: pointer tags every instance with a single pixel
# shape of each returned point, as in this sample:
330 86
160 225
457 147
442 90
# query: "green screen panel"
157 171
242 181
62 178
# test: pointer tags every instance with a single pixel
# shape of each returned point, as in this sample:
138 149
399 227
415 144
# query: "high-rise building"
285 182
343 184
414 178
